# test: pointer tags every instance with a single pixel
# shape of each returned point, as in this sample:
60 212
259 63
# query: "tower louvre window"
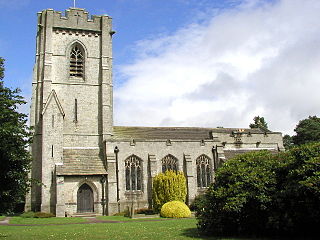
76 62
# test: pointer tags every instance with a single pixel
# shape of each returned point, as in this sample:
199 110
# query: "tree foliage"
167 187
287 142
307 130
14 140
259 122
259 193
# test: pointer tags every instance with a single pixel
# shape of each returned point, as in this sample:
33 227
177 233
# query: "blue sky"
193 62
133 20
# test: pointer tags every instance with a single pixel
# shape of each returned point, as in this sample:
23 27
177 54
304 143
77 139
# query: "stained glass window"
133 173
169 162
204 176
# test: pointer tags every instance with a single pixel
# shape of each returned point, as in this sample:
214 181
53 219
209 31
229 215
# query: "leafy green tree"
287 142
259 122
14 139
307 130
167 187
239 200
260 193
297 199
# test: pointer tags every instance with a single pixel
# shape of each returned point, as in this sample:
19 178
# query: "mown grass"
133 230
124 219
2 217
21 220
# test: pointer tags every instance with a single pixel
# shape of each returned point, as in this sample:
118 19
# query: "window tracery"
204 177
133 172
76 61
169 162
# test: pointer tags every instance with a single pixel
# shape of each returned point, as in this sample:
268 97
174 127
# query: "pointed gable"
53 97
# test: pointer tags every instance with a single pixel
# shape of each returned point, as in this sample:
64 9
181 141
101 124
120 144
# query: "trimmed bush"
168 186
29 214
175 209
43 215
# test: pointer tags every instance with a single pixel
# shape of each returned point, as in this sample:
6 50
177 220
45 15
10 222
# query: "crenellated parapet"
76 32
74 18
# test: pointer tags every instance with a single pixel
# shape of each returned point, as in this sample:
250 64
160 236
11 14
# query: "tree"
168 186
307 130
259 122
239 200
287 142
260 193
14 139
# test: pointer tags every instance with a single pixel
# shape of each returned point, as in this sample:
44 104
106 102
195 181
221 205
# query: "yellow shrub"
168 186
175 209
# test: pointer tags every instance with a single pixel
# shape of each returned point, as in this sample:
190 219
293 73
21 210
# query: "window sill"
202 189
76 79
133 192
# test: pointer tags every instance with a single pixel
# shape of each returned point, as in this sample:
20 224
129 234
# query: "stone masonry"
85 163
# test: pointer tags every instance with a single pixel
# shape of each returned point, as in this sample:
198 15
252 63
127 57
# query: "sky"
203 63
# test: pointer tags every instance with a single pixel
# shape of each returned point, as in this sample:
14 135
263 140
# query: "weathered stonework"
79 156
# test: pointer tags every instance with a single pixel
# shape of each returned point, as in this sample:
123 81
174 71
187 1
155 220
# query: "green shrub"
146 211
260 193
168 186
198 203
120 214
124 213
29 214
43 215
175 209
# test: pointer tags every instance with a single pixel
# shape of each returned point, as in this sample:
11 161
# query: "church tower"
71 111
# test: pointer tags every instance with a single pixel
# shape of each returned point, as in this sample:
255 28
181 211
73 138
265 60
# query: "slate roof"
232 153
173 133
81 162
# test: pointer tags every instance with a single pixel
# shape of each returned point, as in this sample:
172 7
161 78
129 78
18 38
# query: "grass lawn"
2 217
53 220
133 230
121 218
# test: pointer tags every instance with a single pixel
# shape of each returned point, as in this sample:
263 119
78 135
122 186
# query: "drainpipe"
214 159
116 151
103 200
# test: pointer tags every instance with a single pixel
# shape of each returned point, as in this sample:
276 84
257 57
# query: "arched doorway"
85 199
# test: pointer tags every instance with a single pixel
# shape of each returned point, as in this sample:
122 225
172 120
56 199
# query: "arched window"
76 61
203 171
133 166
169 162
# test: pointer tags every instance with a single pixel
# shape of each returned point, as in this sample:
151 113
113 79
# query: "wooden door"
85 199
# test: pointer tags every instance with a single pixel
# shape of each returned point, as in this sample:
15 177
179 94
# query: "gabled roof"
53 95
231 153
178 133
84 161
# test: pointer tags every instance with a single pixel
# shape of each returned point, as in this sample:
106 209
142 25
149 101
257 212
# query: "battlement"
74 18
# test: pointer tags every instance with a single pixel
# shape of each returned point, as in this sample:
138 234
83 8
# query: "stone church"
85 163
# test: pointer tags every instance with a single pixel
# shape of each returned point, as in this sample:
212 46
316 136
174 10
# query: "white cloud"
259 58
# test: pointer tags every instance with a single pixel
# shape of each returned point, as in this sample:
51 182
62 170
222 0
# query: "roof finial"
74 3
